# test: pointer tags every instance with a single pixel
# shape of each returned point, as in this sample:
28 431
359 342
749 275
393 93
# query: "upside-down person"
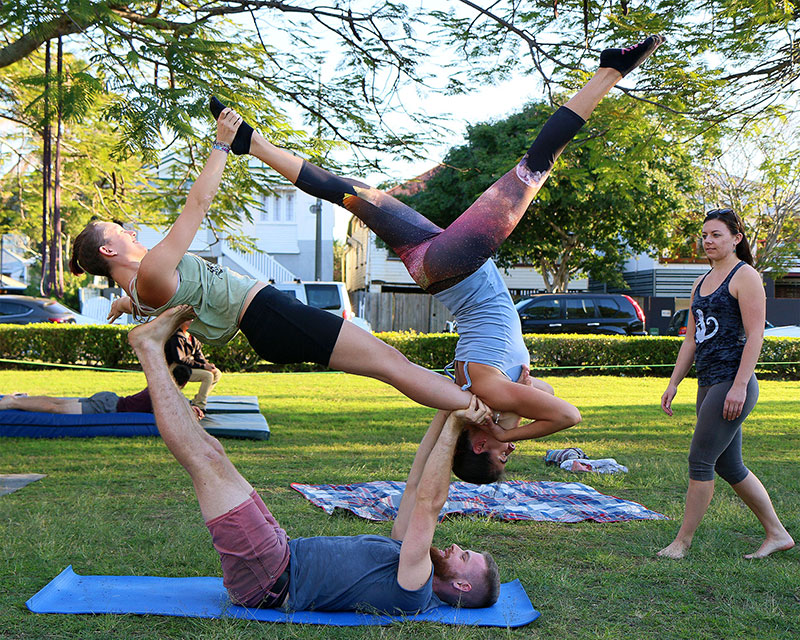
455 265
262 567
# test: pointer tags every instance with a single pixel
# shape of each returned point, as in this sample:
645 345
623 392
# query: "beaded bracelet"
221 146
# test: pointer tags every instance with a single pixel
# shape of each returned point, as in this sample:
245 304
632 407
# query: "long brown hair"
735 225
86 257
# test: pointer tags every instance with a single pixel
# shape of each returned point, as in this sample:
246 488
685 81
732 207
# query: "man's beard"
440 568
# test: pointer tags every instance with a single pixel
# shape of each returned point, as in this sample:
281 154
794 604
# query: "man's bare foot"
675 551
154 334
771 545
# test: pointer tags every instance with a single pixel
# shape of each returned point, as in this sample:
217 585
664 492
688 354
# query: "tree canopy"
611 195
757 174
340 64
141 71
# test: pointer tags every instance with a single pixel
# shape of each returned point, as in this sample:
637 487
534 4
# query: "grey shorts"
102 402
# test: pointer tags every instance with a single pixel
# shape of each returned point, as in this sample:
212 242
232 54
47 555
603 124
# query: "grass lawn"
124 506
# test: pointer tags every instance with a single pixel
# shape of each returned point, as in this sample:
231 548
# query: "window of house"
288 199
276 208
263 215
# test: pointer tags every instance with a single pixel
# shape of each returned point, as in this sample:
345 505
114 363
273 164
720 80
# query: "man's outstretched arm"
414 568
420 458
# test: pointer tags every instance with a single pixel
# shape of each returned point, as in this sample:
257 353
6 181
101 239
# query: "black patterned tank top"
719 333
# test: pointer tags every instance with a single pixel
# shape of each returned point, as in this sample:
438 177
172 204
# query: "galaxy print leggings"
438 258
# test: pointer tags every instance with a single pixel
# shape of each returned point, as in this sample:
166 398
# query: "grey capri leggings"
717 442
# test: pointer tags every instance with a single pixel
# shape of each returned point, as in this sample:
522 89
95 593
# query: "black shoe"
241 142
627 59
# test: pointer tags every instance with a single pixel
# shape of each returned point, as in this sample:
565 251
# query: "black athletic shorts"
283 330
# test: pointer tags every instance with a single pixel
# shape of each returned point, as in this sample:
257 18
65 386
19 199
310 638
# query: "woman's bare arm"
684 361
746 286
155 282
548 412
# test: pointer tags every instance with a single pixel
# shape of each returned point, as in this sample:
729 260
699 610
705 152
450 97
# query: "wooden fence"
401 311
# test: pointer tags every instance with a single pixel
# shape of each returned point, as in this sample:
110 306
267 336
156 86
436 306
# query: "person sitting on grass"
262 567
184 349
100 402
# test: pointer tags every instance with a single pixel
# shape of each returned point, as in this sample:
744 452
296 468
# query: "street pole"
316 209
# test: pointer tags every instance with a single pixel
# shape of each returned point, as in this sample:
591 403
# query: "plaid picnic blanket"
513 500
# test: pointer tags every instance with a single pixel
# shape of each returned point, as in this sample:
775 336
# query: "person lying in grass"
262 567
100 402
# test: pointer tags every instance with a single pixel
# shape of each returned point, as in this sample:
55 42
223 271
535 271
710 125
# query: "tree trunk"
56 259
44 283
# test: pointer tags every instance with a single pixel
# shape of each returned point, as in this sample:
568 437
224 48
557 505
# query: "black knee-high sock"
556 133
320 183
241 142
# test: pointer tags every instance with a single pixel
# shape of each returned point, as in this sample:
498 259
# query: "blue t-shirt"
489 329
352 573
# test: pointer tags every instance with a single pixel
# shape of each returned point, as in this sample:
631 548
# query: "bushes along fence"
107 346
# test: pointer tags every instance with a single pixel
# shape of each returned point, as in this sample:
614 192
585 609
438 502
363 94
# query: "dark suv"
581 313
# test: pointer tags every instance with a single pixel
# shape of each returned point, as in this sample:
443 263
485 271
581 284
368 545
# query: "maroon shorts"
253 549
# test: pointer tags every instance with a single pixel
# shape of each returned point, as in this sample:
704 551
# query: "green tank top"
215 293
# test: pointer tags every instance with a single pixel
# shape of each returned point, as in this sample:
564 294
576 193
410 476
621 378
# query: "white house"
13 264
284 227
649 276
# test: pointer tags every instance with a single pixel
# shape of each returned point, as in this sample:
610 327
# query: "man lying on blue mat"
100 402
261 567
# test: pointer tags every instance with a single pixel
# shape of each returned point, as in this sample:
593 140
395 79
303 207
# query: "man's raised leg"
217 483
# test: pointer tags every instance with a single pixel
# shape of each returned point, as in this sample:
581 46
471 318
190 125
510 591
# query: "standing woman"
724 342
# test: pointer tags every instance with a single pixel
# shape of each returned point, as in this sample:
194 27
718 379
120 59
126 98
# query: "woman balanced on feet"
724 342
455 265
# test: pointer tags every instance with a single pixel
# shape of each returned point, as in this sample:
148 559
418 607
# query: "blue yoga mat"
69 592
228 416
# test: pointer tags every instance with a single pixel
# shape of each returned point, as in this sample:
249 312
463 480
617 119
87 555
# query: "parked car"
786 331
677 324
603 313
28 309
329 296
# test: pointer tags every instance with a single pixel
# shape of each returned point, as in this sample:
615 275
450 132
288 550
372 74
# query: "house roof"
7 283
415 185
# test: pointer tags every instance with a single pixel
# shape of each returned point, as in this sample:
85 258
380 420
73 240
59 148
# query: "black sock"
556 133
241 142
627 59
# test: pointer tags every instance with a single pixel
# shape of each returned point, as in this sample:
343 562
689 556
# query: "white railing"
260 265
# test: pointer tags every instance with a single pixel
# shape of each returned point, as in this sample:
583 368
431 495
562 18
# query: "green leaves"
613 193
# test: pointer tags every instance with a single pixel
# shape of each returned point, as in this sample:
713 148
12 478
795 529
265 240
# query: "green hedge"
107 346
575 352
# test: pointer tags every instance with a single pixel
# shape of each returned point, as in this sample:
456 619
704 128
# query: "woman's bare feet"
771 545
153 335
676 550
